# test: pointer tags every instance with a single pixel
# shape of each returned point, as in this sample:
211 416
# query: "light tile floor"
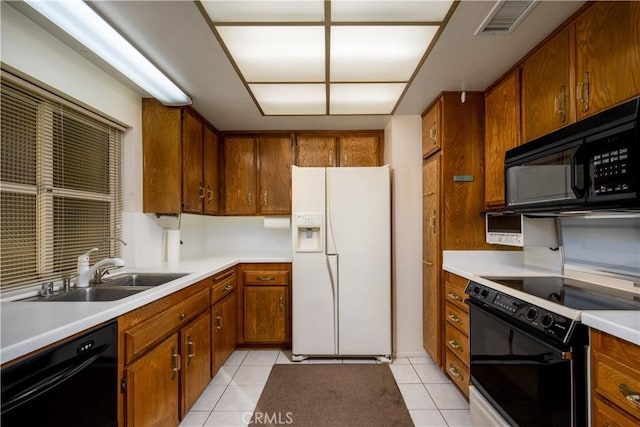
232 395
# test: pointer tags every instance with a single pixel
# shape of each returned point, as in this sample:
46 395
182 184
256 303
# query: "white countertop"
29 326
474 264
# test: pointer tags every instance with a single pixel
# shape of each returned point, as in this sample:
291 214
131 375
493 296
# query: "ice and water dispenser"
308 232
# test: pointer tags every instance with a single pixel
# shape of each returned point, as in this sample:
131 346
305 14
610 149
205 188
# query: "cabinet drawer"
266 277
457 343
457 317
454 290
457 371
223 288
139 338
614 381
606 415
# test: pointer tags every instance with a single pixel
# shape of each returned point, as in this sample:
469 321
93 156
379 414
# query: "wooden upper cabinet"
608 55
316 150
275 156
192 188
431 127
161 154
180 160
360 150
548 87
240 196
502 132
211 171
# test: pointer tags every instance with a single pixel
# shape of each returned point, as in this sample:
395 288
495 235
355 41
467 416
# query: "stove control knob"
476 290
531 314
484 293
546 320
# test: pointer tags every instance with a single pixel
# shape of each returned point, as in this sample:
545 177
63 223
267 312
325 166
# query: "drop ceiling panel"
377 53
277 54
389 11
265 10
364 98
290 99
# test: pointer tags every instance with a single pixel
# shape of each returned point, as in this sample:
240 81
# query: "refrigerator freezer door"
359 228
313 295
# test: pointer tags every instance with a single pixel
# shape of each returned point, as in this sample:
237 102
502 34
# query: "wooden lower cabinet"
195 351
164 357
615 379
152 386
265 309
223 327
456 339
265 313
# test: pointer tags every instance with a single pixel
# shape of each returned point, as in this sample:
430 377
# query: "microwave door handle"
577 175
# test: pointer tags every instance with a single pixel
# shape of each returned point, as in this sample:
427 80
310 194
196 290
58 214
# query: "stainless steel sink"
113 288
140 279
97 293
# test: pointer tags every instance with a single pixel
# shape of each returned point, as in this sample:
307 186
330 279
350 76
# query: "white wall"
34 52
403 148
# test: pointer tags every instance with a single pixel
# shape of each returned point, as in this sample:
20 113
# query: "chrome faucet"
93 274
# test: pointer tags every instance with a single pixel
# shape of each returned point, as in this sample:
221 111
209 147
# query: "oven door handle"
52 381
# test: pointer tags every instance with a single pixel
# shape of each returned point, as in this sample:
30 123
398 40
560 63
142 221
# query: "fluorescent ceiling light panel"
265 10
290 99
365 98
389 11
87 27
377 53
277 54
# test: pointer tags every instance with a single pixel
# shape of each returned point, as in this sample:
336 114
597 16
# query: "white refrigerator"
341 292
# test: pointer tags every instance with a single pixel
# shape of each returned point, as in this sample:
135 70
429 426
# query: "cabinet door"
316 151
432 331
161 167
608 55
240 176
276 157
547 87
502 132
360 150
266 314
224 330
152 386
192 188
195 345
211 171
431 126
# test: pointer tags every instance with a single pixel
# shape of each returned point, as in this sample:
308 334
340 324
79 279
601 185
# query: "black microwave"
593 164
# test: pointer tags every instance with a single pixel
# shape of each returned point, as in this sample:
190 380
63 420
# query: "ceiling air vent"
505 16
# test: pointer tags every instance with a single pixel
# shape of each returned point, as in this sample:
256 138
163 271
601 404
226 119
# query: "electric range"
528 349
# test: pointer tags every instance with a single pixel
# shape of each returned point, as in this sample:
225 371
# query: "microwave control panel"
612 164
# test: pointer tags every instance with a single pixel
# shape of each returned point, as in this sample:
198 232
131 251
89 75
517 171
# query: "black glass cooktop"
572 293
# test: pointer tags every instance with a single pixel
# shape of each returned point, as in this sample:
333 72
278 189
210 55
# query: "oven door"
528 381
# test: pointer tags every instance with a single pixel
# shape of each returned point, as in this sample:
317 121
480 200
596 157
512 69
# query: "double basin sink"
112 288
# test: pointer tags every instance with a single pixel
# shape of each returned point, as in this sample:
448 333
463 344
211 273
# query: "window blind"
60 187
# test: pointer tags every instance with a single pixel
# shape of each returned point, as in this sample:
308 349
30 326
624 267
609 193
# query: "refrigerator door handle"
331 242
332 267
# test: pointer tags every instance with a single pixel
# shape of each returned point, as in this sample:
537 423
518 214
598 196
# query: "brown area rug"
333 395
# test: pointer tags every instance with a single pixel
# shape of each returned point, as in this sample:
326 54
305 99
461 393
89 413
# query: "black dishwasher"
72 384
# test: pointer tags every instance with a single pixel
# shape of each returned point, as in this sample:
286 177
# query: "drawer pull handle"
454 318
454 344
429 263
175 362
454 372
266 278
218 322
454 296
191 349
632 396
227 288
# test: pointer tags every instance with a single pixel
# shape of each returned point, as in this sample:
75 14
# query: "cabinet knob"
182 316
